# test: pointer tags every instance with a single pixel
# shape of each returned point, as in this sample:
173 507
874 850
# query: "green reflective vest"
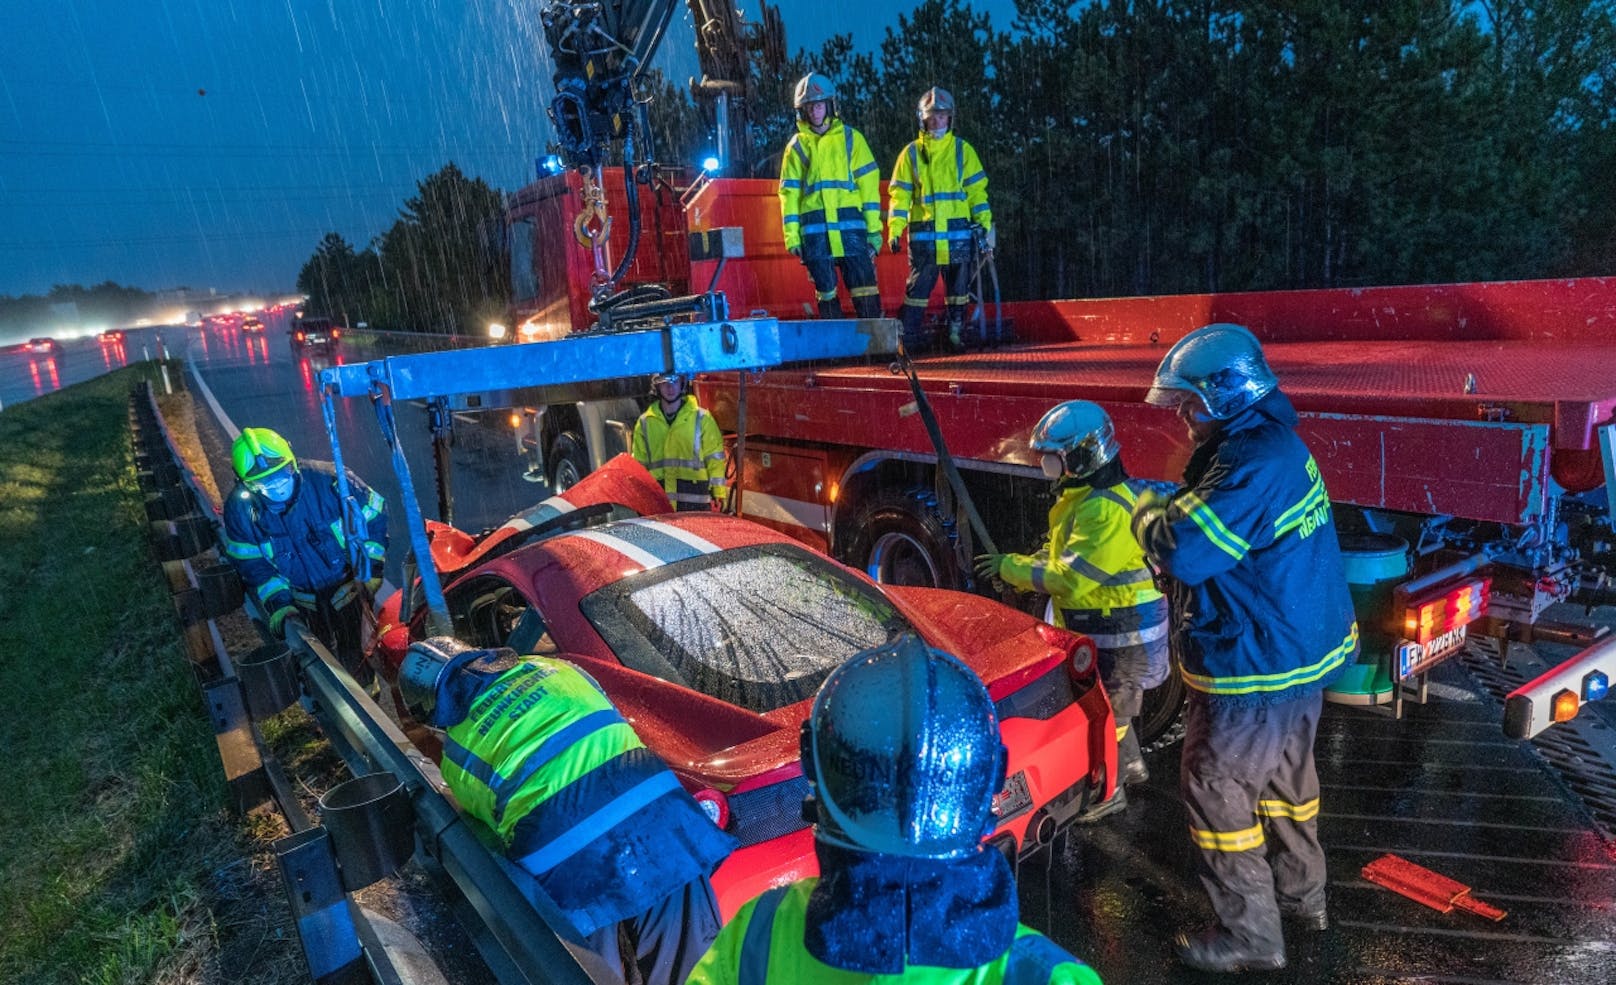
1091 560
537 729
763 945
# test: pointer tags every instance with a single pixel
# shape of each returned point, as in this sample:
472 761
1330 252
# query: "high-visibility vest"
1091 560
938 191
763 945
830 192
685 455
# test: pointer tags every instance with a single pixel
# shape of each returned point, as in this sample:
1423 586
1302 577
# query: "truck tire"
1161 717
568 461
902 539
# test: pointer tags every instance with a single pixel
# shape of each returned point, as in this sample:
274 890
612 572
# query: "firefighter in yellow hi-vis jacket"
680 443
830 201
1094 572
939 194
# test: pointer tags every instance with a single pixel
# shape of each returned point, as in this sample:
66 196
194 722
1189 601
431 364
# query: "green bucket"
1374 563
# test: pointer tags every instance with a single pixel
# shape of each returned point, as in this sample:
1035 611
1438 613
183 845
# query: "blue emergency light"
551 164
710 164
1595 685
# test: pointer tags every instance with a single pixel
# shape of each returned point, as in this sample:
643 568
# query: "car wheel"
1160 721
568 461
903 539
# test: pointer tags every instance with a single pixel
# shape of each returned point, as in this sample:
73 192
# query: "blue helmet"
1080 432
904 755
1223 364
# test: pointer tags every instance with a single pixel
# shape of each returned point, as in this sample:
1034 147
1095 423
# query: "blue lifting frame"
485 377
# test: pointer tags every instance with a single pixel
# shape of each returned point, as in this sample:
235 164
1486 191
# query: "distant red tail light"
301 336
335 335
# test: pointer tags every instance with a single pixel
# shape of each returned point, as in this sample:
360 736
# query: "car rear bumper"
1069 761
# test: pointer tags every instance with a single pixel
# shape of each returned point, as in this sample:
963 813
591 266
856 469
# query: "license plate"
1014 800
1417 658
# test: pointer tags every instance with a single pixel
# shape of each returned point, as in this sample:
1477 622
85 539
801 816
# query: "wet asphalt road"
1443 787
259 382
26 375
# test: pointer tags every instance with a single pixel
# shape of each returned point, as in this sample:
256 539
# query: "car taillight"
715 805
335 335
300 336
1427 618
1079 650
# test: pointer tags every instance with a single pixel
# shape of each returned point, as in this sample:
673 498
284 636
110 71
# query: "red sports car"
712 634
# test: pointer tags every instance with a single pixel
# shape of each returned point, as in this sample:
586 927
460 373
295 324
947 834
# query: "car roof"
607 553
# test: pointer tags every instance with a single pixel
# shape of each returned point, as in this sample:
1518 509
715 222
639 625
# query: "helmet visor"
277 486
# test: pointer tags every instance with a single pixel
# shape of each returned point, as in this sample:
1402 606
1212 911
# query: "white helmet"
1223 364
935 100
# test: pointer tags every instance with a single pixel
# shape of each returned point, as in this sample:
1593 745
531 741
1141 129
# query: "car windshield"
758 627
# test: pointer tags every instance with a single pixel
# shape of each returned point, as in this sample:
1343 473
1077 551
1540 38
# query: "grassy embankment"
111 793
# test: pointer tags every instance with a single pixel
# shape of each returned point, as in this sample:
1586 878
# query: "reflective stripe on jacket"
938 190
686 455
763 945
1260 597
543 758
830 192
300 548
1091 560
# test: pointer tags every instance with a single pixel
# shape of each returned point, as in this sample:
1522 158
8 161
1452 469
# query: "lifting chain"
593 227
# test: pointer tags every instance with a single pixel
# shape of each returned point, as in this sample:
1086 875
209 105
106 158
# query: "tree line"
1151 147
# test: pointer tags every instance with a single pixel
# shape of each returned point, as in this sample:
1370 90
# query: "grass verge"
117 841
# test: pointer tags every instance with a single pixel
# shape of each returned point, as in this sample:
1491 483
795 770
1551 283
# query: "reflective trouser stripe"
754 969
1228 841
1296 812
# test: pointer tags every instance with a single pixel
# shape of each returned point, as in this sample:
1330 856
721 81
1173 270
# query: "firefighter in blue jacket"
830 201
903 753
283 531
535 750
1265 622
1094 573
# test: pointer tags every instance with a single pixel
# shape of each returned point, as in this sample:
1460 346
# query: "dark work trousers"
858 273
1132 654
661 945
923 274
1253 799
341 629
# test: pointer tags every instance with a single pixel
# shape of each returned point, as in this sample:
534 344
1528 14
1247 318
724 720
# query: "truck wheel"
1160 721
568 461
902 539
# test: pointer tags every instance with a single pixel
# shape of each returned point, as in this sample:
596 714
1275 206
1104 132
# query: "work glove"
374 585
990 239
1150 506
896 245
345 593
281 621
796 251
874 239
987 566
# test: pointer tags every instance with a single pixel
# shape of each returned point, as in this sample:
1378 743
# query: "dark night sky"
207 144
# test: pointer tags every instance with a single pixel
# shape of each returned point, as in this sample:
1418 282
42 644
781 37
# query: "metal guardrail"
339 944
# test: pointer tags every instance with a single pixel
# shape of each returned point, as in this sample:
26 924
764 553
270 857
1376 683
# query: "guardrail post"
325 926
243 768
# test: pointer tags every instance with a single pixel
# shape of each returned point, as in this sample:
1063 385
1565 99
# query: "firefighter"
680 443
830 201
283 531
939 194
1094 573
903 753
1264 622
535 750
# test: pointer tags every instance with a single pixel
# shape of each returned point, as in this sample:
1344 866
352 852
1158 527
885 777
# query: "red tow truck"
1466 432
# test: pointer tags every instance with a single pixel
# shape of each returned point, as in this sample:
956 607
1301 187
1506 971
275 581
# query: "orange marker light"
515 419
1564 706
835 491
